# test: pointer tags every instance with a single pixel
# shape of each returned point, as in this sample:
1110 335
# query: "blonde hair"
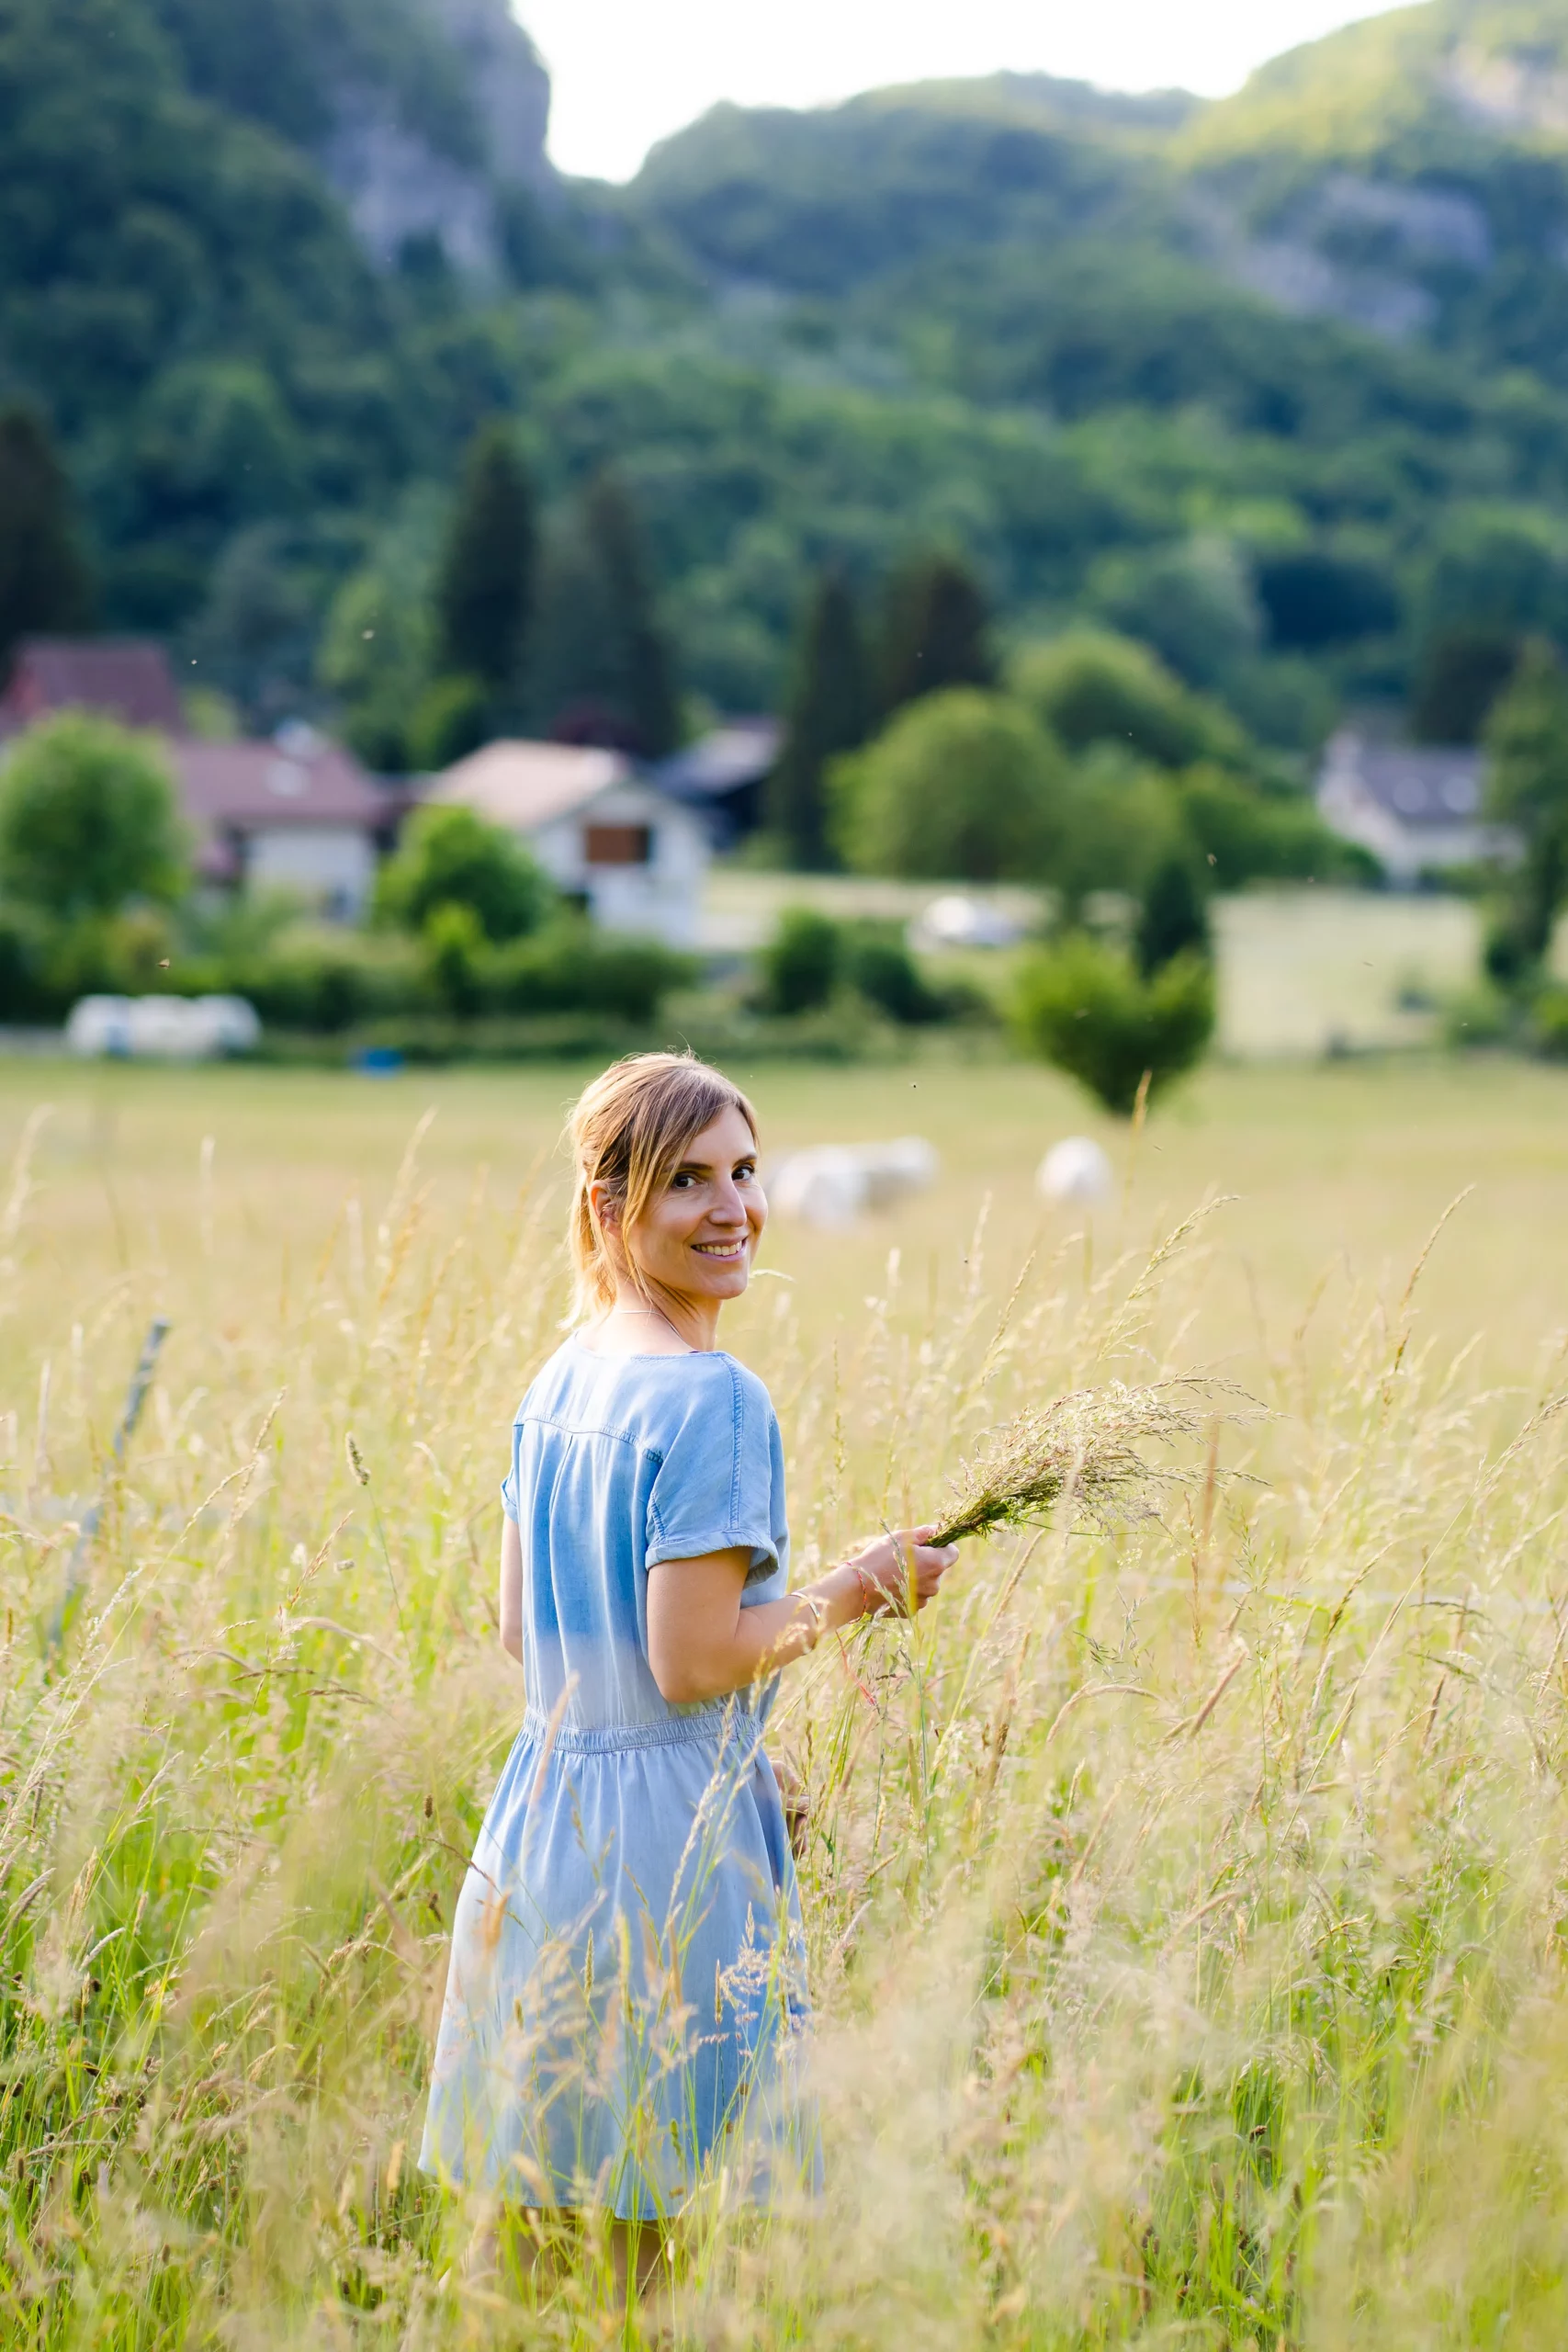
629 1131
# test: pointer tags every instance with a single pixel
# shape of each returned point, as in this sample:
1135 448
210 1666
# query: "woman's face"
700 1233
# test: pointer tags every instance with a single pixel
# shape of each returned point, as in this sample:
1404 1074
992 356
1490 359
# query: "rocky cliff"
424 114
399 183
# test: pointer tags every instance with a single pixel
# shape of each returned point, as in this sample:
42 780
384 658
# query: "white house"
637 856
297 813
1416 808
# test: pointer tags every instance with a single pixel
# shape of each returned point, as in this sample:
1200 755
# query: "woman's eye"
745 1172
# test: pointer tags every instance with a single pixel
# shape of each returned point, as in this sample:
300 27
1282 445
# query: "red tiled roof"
126 678
253 787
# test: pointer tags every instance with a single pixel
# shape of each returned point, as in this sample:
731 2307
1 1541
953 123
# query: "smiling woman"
625 1985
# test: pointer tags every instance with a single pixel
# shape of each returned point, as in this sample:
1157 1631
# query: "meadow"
1184 1899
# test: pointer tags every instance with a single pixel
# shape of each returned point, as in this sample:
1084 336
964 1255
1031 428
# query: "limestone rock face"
397 184
511 87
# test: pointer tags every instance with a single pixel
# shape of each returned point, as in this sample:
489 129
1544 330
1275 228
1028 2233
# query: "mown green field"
1185 1900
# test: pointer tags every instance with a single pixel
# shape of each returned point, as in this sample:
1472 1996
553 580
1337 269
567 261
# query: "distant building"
633 855
723 777
296 814
125 678
292 813
1415 807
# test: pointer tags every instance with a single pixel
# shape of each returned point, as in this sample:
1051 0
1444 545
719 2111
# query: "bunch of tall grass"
1185 1895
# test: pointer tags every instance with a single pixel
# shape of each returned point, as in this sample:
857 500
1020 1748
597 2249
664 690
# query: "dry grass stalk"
1084 1448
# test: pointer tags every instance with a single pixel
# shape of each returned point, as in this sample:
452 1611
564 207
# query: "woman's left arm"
702 1643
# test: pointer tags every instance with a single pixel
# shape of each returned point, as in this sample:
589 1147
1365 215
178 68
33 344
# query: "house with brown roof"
296 813
293 813
635 855
126 678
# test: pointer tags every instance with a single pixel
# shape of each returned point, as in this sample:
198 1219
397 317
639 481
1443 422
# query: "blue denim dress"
625 1985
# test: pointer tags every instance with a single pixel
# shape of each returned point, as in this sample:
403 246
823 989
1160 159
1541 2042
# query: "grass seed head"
1084 1449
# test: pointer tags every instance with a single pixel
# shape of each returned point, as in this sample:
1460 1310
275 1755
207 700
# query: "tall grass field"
1187 1901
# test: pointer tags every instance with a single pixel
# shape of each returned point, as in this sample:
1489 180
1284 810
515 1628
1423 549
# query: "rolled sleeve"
712 1488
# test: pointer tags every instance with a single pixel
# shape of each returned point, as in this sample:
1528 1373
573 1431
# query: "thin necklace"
662 1318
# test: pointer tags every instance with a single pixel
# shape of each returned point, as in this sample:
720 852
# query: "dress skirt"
625 1994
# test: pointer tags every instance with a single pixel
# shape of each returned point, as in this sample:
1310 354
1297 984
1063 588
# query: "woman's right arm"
512 1590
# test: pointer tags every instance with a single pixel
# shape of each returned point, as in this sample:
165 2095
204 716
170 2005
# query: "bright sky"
629 72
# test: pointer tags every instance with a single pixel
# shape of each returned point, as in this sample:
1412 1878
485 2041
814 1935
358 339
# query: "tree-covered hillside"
1278 386
1411 172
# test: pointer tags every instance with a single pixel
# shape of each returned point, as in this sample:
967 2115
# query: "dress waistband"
736 1725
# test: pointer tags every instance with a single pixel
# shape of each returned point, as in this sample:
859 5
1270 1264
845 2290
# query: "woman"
626 1975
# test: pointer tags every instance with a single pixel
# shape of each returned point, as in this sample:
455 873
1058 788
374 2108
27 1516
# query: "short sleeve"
509 1488
713 1490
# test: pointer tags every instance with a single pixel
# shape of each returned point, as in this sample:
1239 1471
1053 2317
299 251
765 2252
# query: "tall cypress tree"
827 711
45 587
484 590
650 701
935 631
601 670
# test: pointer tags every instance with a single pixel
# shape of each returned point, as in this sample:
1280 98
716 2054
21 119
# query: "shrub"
961 786
1086 1008
877 963
1263 837
571 967
450 857
453 952
1483 1015
310 981
1548 1030
121 955
23 995
799 967
88 820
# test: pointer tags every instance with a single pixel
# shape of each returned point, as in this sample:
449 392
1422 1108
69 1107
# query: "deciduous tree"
961 786
450 857
88 820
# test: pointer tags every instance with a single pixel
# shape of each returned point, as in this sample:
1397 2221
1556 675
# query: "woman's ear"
606 1207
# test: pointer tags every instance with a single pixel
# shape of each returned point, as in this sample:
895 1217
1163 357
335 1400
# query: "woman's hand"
900 1572
702 1643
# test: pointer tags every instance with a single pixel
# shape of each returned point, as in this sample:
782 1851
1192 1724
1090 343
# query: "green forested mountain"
1279 384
